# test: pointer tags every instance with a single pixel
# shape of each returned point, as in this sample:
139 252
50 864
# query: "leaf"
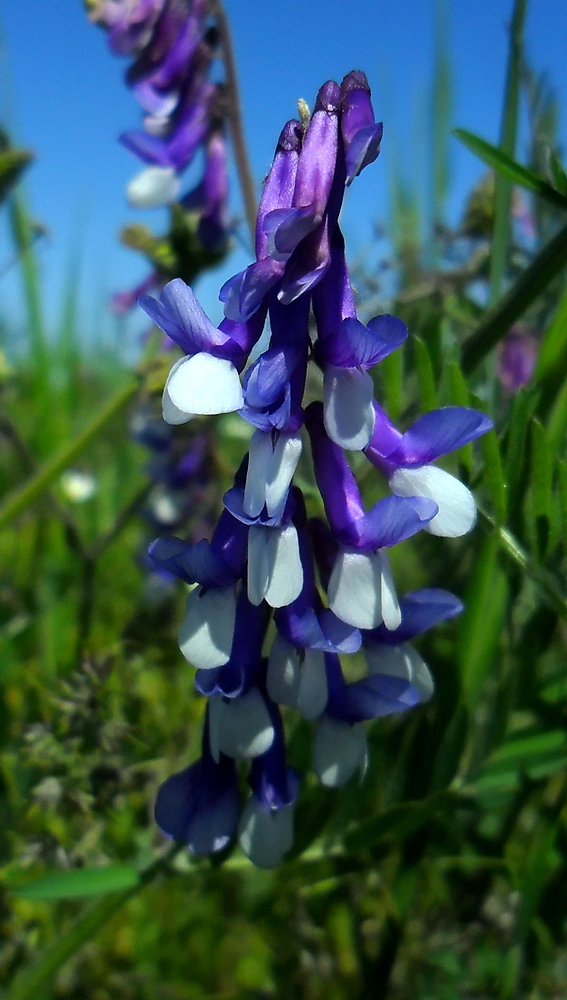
527 288
541 483
17 501
80 882
12 164
494 476
481 625
399 821
425 376
507 167
562 481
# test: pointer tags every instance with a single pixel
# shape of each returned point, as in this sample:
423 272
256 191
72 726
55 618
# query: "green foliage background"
442 873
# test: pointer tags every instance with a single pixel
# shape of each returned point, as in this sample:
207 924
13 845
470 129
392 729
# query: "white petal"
391 614
265 835
355 588
259 458
153 188
284 673
203 384
245 727
286 571
205 637
400 661
258 566
313 693
349 413
339 749
282 467
171 414
457 511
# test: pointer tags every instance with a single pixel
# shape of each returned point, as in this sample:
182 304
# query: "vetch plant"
266 555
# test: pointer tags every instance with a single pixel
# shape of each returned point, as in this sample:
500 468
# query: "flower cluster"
266 561
172 44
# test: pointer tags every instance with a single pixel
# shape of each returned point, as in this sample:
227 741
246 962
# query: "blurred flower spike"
266 558
173 46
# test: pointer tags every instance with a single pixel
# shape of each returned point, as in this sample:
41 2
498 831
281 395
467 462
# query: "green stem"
30 491
235 121
31 985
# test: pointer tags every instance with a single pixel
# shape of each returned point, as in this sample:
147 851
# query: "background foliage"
442 873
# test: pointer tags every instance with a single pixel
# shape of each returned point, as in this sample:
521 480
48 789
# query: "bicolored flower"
405 459
346 349
265 830
200 805
206 380
361 589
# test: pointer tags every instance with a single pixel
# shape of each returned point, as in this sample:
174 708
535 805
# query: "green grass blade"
80 882
29 493
529 286
28 985
425 376
507 167
494 476
541 482
503 187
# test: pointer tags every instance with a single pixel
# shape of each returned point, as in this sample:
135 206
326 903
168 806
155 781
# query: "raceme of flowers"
265 556
172 44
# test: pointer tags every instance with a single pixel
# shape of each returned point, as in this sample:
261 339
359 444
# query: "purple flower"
265 831
206 380
405 460
361 134
201 805
243 294
361 589
516 360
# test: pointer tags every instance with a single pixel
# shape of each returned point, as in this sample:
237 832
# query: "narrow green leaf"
502 187
541 484
457 394
392 374
425 376
528 287
481 626
552 357
558 173
515 459
493 476
507 167
557 421
524 752
562 484
399 821
80 882
30 984
29 493
12 164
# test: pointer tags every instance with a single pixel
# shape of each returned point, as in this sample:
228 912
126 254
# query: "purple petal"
354 345
244 293
181 317
200 805
285 228
373 697
437 433
363 150
388 522
421 610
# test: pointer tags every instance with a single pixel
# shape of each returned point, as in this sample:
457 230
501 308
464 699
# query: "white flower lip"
153 187
361 590
339 750
205 636
349 412
457 510
201 385
275 573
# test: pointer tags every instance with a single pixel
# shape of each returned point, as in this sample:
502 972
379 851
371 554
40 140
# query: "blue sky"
62 95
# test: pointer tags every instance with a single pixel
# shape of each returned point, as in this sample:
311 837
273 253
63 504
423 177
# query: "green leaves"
514 172
80 882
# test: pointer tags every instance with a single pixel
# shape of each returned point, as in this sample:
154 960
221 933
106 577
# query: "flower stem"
235 120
